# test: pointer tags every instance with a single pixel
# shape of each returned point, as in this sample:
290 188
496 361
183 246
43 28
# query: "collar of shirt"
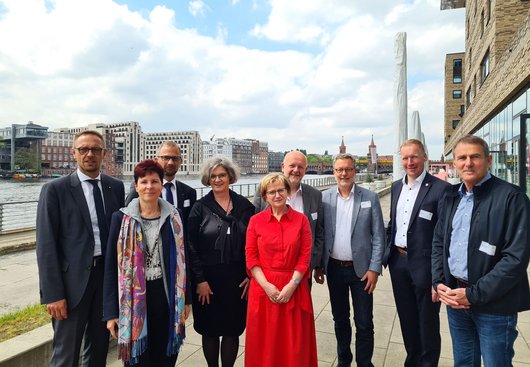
173 181
83 177
462 190
417 182
349 196
288 214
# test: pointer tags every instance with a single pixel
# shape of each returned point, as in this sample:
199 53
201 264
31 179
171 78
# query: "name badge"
487 248
425 214
186 203
366 204
314 215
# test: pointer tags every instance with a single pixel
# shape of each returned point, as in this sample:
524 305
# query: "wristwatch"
296 281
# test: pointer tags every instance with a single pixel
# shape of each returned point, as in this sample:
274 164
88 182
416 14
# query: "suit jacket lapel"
356 207
334 198
79 198
108 197
306 200
180 195
424 189
396 192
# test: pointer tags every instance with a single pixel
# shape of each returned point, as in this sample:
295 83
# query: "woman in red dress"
280 321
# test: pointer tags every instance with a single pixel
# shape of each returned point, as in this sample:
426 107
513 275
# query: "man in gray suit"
73 217
354 240
304 199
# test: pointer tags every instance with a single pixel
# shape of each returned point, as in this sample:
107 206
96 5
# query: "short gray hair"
344 156
474 140
212 163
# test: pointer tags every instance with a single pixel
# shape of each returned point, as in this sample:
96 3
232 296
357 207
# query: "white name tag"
366 204
186 203
487 248
425 214
314 215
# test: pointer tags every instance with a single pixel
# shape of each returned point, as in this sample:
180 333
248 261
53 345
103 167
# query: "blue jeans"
475 334
342 280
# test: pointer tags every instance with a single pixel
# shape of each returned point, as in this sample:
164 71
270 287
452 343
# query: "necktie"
169 194
100 211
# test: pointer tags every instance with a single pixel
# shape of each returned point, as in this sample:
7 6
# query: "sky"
295 73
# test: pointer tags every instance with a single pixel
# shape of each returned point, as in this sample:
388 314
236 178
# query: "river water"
29 189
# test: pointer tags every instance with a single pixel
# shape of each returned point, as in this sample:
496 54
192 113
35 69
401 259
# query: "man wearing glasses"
73 217
175 192
304 199
354 240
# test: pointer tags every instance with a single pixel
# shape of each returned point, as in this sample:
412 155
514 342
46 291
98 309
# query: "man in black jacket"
480 256
174 191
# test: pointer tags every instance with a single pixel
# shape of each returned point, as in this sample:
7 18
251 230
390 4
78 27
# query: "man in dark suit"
304 199
174 191
73 217
413 216
354 242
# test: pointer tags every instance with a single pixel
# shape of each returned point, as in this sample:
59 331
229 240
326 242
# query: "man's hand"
58 310
455 298
204 292
318 275
434 296
371 280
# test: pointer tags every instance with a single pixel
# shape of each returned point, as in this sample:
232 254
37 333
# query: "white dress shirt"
343 227
89 197
296 201
173 190
405 204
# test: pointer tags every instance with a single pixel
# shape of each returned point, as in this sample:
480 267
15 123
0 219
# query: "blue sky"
297 73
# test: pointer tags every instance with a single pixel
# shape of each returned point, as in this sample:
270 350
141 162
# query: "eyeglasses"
85 150
220 176
167 158
273 193
344 170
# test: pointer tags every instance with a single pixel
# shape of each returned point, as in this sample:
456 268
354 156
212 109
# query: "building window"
485 67
457 71
455 123
462 110
469 97
470 57
457 94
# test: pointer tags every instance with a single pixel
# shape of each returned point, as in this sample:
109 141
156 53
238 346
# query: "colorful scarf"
132 326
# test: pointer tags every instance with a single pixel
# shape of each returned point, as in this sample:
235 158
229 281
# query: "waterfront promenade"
19 281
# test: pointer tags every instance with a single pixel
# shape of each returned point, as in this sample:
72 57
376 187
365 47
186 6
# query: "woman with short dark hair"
145 275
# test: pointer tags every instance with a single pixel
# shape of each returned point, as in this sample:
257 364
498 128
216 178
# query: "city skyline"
298 74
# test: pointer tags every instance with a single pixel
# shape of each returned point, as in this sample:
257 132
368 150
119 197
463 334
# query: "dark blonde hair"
270 179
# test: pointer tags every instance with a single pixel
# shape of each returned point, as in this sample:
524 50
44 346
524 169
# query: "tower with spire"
372 157
342 147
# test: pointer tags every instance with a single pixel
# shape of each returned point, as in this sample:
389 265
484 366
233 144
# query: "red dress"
280 334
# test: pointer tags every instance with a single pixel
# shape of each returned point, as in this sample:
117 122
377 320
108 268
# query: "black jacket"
500 217
214 237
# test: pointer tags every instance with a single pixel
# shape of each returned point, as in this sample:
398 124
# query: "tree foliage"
26 160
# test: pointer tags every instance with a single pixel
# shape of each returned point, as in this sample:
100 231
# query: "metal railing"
22 215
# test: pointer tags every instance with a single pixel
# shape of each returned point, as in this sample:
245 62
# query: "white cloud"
197 8
331 74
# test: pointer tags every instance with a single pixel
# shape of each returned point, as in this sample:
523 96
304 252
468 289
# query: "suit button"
89 267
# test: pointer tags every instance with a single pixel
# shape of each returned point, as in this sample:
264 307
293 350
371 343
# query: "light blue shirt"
460 234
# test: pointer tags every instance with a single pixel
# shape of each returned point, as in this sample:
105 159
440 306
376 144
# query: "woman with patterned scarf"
144 292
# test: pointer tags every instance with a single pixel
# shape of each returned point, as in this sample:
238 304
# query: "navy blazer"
65 239
425 214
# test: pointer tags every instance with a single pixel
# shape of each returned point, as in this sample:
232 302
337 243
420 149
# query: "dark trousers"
83 320
341 281
157 327
418 315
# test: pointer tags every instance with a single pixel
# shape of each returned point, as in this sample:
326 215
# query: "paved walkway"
19 278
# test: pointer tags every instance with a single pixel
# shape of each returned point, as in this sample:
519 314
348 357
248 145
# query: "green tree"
25 159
